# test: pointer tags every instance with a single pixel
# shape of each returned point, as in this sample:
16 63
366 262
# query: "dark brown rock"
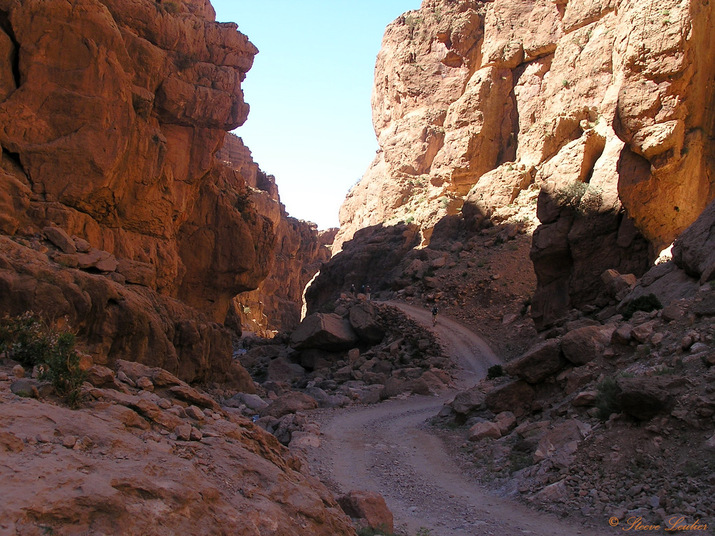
291 402
324 332
515 396
60 239
538 363
644 398
364 319
468 401
583 345
694 250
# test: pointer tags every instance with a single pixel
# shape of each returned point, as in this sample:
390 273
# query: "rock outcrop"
115 212
145 445
607 108
299 251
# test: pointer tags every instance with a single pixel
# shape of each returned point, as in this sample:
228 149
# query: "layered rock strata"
605 107
111 113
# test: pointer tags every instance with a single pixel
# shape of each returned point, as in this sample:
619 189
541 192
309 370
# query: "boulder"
291 402
483 430
466 402
25 387
666 282
100 376
643 332
556 492
515 396
365 320
583 345
645 397
324 332
561 442
60 239
282 370
617 284
538 363
369 507
251 401
506 421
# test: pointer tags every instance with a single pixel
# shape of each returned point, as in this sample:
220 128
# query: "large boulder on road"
325 332
365 320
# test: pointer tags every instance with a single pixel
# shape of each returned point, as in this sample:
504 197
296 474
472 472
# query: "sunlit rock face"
607 107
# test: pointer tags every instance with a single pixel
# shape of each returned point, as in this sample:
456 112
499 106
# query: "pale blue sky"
309 89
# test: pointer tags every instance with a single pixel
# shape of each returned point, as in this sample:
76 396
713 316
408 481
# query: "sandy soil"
388 449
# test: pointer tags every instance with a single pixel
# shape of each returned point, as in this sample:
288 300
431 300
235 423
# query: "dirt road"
468 350
385 448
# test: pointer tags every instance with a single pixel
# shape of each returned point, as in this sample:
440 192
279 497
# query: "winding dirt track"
384 448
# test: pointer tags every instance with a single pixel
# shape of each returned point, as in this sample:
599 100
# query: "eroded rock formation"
298 252
110 115
608 108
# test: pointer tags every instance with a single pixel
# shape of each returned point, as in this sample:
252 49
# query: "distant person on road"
434 315
352 290
367 292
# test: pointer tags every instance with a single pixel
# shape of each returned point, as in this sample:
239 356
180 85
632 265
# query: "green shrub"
647 303
32 342
495 371
607 400
24 338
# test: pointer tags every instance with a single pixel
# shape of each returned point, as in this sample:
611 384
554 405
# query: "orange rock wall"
299 251
111 112
475 102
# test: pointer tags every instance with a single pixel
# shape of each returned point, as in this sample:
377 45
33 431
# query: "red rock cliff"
114 211
607 107
299 251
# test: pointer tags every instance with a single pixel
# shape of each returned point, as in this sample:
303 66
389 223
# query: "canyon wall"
115 214
606 108
299 251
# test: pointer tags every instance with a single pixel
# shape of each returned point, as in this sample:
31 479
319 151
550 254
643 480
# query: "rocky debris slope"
362 353
299 251
611 414
482 278
115 213
605 108
148 454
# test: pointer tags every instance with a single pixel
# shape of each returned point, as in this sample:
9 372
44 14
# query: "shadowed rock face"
110 114
608 110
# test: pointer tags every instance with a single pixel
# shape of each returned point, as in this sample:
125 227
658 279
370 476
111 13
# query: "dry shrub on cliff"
32 342
580 196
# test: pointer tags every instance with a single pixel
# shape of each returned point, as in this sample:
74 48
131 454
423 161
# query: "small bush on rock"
647 303
495 371
607 400
31 342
